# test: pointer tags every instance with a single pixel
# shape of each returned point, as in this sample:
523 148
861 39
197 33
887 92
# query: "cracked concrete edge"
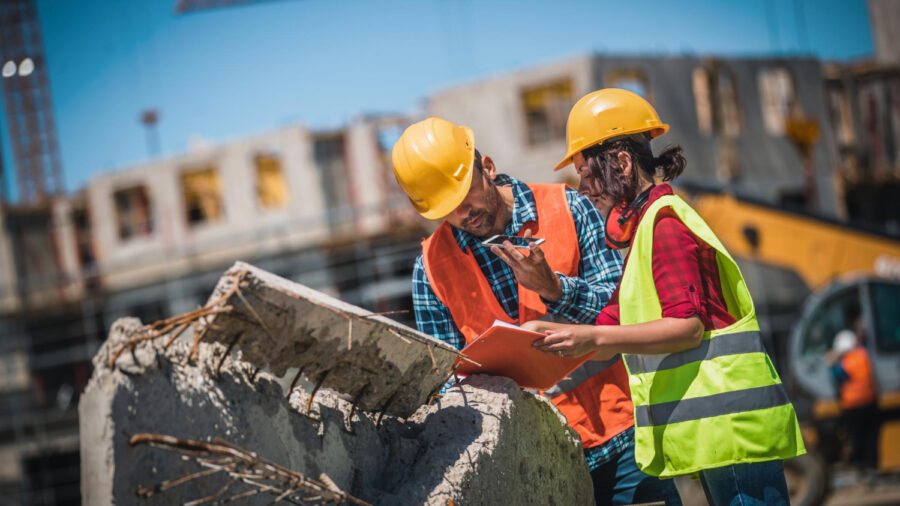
279 324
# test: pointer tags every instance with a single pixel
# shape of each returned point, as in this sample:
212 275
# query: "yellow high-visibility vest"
718 404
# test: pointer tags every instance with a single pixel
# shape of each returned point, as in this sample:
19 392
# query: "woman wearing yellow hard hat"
707 398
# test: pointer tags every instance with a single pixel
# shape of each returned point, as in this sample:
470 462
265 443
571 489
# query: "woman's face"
589 186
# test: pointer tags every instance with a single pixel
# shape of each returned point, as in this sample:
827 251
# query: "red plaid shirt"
684 271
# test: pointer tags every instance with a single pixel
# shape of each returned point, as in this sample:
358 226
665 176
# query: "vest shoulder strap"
639 300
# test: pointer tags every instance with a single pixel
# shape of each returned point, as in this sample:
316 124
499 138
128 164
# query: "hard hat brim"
451 203
655 133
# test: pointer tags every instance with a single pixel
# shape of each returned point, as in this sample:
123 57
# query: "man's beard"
485 223
485 217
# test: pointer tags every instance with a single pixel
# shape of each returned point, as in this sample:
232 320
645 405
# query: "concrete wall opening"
14 372
879 108
330 158
134 216
864 108
633 80
546 110
201 190
778 98
841 115
719 114
397 210
83 245
35 249
271 186
716 102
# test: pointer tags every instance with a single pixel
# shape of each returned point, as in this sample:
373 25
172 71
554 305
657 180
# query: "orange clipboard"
505 350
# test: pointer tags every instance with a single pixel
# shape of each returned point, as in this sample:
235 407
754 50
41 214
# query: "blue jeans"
619 481
760 483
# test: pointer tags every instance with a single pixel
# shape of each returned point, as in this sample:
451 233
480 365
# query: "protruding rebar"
316 389
225 355
294 382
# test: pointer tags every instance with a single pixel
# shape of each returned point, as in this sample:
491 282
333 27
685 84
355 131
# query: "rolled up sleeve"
676 268
599 269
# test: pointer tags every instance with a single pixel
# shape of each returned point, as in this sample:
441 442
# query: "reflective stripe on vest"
723 345
584 372
594 398
725 403
718 404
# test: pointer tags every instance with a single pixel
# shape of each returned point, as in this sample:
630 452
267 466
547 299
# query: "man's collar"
524 210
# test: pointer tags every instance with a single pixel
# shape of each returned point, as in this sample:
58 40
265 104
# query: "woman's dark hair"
603 162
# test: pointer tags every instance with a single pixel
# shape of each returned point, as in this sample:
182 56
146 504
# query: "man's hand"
531 271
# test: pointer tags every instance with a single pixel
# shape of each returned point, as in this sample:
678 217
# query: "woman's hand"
570 341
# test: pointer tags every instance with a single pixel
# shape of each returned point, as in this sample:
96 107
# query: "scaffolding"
29 108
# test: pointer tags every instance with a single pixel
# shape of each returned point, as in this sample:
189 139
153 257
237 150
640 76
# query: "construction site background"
322 207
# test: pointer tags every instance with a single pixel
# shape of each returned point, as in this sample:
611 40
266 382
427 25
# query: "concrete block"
279 324
485 442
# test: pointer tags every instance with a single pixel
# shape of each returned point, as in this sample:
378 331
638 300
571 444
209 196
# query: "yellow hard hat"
433 164
608 113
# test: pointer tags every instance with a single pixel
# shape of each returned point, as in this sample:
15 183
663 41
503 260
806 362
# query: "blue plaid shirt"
599 455
582 297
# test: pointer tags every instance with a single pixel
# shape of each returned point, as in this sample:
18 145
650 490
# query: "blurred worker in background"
706 395
460 286
852 373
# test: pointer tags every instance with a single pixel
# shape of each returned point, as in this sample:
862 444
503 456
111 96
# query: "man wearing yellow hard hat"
461 286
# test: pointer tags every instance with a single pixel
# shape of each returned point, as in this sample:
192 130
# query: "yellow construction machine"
805 271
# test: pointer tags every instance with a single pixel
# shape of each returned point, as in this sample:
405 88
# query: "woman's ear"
490 170
624 159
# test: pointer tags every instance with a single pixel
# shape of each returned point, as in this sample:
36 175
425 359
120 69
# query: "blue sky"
228 72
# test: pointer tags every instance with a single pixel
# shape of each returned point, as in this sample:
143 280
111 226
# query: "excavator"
804 272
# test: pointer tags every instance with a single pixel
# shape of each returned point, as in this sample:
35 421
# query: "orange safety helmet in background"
433 162
604 114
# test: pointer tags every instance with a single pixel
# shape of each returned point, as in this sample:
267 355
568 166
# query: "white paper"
501 323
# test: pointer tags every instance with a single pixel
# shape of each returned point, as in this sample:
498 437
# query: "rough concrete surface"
484 442
279 324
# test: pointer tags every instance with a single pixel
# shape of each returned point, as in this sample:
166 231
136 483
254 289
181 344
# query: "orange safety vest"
859 389
595 398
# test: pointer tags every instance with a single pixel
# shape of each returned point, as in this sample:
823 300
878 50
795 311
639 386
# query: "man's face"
589 186
480 212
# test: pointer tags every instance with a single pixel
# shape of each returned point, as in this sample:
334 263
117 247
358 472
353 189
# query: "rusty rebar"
243 467
163 326
349 333
227 353
384 408
294 383
316 389
356 398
